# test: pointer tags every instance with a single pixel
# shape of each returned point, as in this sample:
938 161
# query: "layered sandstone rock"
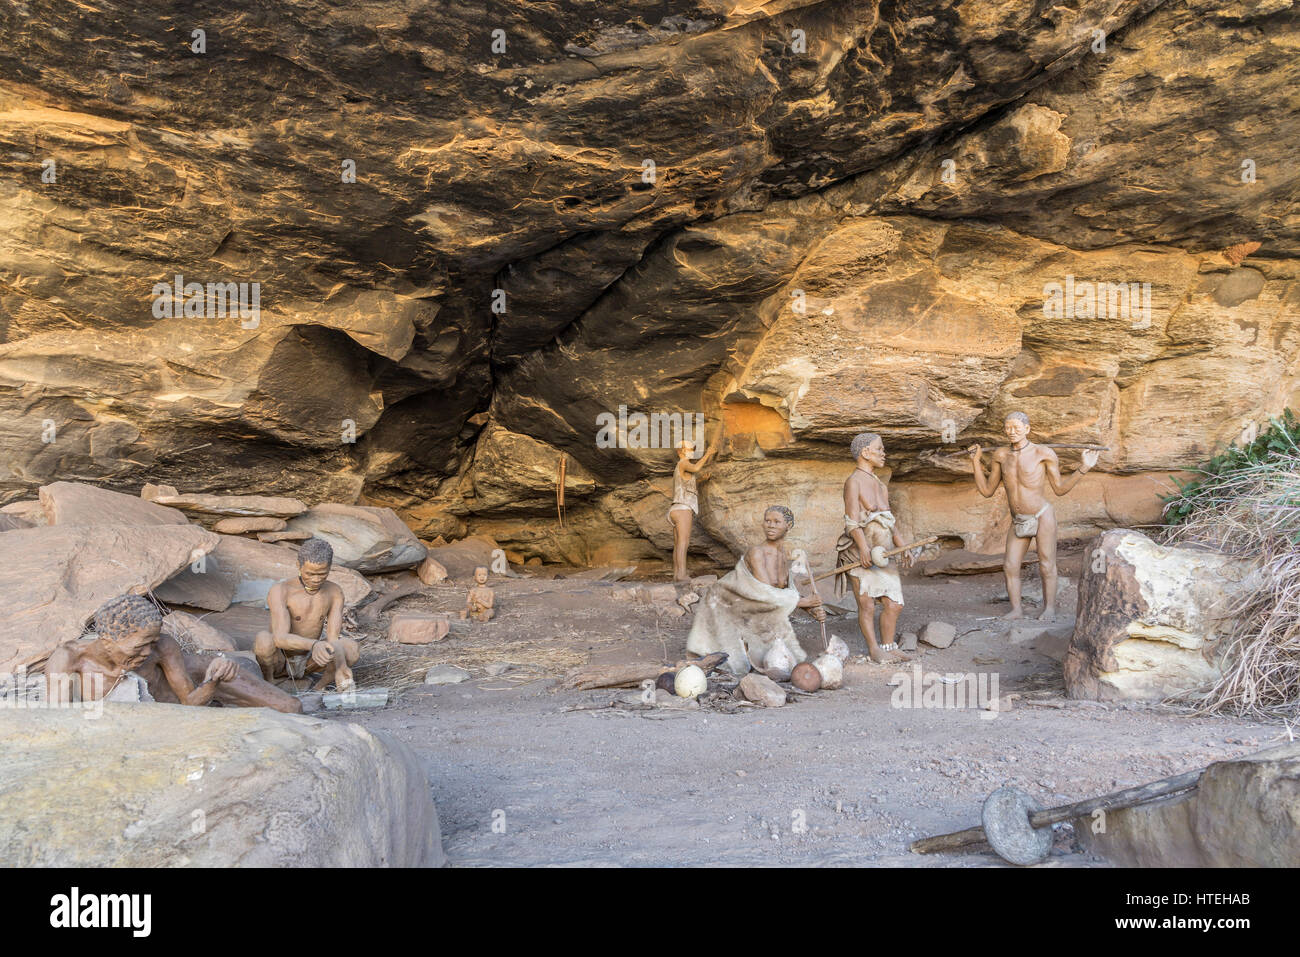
160 785
1242 814
1149 618
806 220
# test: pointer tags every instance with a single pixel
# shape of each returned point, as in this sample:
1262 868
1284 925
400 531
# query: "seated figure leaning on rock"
130 641
747 612
301 609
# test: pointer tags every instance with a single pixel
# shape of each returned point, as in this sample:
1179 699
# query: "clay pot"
805 677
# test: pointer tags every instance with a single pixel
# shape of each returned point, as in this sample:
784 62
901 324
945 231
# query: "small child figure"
479 601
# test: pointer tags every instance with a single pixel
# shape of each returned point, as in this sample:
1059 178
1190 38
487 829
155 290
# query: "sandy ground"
837 778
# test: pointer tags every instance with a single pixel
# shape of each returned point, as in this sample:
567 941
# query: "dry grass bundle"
1250 508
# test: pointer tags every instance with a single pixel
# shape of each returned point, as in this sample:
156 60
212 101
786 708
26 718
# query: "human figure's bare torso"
769 565
868 491
307 611
1024 476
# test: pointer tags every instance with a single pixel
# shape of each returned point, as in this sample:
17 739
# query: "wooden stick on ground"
889 554
1129 797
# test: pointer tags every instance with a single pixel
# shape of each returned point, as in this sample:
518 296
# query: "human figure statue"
1022 468
480 601
130 641
686 500
306 624
748 610
869 524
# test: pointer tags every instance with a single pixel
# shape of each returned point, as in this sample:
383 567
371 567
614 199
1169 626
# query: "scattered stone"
53 579
703 581
226 505
194 634
245 524
907 641
75 503
674 611
410 628
938 634
445 675
658 594
605 573
460 625
761 689
130 689
311 701
689 599
430 571
251 771
272 538
498 668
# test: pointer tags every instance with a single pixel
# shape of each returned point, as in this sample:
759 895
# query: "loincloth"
1026 526
872 580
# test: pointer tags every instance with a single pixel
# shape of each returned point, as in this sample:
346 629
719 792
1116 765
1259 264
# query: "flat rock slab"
251 523
10 522
959 561
364 538
939 634
245 570
160 785
52 579
283 536
226 505
75 503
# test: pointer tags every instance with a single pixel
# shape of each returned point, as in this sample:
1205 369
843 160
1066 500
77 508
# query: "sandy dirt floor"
523 777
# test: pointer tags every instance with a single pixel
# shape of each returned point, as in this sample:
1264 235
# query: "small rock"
761 689
249 523
497 668
689 599
938 634
431 572
908 641
445 675
416 629
658 594
348 700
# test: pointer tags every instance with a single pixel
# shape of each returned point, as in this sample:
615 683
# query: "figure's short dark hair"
860 442
118 617
317 551
785 513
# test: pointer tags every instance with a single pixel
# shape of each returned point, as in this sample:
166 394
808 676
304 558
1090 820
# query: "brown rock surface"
245 570
53 579
364 538
414 629
1242 814
913 179
195 634
75 503
242 526
234 506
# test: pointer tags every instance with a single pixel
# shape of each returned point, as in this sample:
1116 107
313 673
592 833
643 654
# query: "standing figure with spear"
869 529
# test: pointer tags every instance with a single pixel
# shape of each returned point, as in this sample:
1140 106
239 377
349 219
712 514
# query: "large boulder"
53 579
363 537
1149 618
242 571
1245 812
159 785
75 503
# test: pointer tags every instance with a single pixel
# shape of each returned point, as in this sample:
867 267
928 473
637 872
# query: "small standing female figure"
686 500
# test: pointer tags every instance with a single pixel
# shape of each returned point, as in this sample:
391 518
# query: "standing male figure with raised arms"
1024 468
